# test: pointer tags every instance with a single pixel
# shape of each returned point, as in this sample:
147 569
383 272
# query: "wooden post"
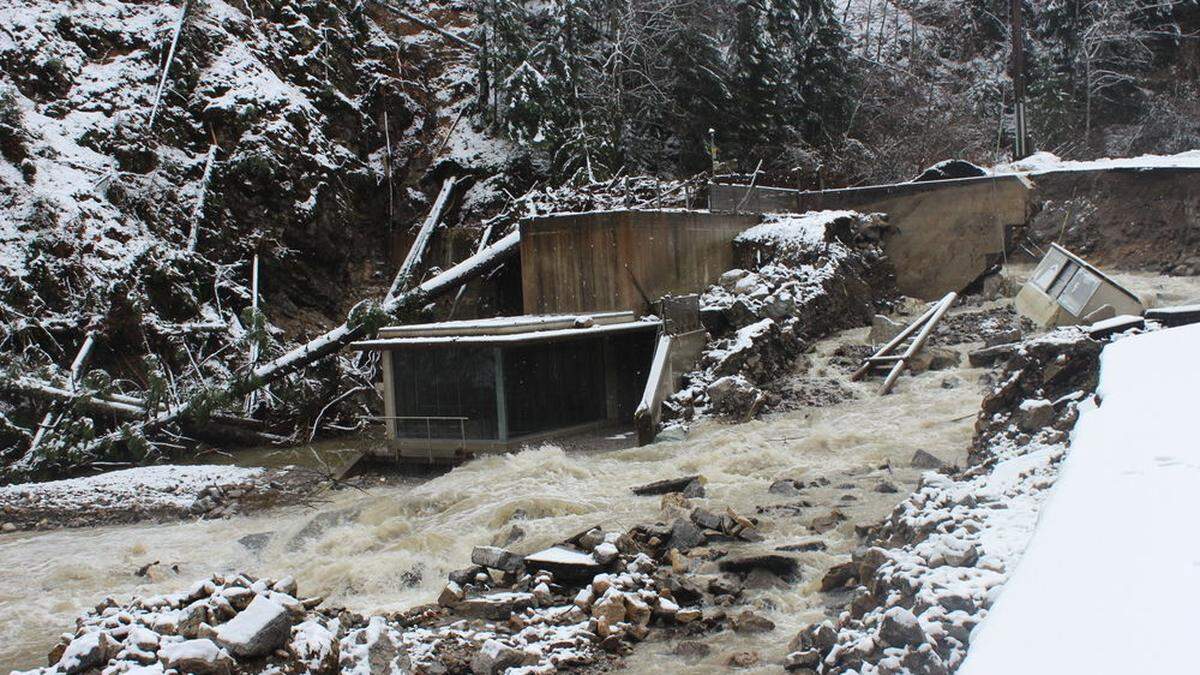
1021 140
252 396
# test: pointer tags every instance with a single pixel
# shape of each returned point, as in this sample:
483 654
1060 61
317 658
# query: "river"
390 547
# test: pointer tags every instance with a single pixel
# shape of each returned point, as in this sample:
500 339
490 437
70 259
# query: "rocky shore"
928 573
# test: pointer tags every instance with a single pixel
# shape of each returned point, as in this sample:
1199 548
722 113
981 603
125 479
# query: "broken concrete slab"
258 630
496 558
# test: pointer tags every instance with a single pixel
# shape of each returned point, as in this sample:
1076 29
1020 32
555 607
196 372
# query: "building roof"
504 331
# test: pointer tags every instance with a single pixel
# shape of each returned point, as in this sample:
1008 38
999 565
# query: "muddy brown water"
391 547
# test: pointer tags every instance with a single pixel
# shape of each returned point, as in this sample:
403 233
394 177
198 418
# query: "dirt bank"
1126 219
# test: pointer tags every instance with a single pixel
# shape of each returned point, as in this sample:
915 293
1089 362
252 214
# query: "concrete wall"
606 260
944 233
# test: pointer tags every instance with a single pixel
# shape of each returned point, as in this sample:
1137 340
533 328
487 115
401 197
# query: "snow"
1046 162
1118 524
790 231
151 486
557 555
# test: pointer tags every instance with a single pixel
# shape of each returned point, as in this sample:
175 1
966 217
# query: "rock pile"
211 628
804 277
582 603
925 581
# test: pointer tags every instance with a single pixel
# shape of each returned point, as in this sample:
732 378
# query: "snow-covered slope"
1114 552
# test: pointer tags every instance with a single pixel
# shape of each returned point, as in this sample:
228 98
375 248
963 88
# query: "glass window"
445 382
1077 293
1064 277
1047 271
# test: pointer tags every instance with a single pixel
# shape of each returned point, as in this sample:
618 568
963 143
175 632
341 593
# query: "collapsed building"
637 317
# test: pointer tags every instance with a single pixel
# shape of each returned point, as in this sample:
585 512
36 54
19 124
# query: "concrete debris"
496 558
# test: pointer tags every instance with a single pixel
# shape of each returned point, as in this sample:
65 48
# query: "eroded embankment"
926 580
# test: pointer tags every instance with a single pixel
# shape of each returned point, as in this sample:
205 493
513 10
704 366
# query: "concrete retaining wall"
616 260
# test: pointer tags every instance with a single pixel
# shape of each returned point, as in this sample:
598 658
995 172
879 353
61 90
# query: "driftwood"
162 82
198 210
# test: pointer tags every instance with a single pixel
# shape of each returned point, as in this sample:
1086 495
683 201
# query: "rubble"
928 573
802 277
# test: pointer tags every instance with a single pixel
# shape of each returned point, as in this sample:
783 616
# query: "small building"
1067 290
456 388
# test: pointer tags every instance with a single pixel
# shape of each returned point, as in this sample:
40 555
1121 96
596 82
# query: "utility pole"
1021 140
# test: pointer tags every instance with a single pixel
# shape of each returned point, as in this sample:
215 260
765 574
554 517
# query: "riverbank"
152 494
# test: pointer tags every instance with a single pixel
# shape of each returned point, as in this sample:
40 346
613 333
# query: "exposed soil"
1134 220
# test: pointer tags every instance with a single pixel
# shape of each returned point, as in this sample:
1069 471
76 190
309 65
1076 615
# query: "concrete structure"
456 388
943 235
623 260
1066 290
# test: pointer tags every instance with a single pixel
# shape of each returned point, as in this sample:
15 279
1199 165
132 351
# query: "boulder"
662 487
198 657
258 630
733 396
886 487
822 524
934 358
883 330
496 657
900 627
784 566
691 649
87 652
1035 415
749 622
789 487
315 647
804 546
807 658
685 535
496 558
839 576
923 460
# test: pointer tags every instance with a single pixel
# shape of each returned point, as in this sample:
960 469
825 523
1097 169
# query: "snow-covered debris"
930 577
803 277
1132 470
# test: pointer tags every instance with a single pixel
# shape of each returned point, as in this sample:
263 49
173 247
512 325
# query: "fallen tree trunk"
417 250
338 338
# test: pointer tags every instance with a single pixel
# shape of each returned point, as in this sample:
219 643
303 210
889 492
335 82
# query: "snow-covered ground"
1114 555
147 488
1047 162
